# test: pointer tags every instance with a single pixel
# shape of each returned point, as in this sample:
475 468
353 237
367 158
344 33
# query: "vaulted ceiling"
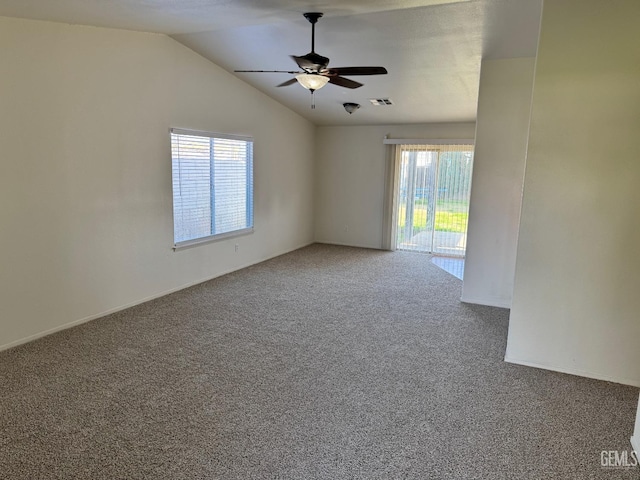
432 49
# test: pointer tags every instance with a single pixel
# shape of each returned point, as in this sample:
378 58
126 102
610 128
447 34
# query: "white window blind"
212 186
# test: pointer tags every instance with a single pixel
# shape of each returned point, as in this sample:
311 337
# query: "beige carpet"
326 363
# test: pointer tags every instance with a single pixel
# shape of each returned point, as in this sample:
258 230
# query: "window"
212 186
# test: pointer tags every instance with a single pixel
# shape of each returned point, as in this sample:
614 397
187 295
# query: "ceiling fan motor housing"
314 63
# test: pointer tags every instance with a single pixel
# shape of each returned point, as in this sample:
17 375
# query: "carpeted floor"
326 363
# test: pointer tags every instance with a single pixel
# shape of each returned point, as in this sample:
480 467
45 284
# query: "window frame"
249 190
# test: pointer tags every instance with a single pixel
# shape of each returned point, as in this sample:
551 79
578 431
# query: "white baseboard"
80 321
349 245
634 382
489 302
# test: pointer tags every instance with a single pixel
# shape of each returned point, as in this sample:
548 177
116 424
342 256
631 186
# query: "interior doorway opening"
433 193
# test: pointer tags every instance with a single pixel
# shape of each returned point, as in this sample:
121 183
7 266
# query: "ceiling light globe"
312 81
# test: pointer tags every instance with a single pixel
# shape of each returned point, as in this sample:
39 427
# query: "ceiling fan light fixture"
351 107
312 81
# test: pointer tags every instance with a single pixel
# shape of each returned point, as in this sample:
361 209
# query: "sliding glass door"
434 187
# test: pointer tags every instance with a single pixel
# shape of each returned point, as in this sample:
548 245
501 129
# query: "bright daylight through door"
433 198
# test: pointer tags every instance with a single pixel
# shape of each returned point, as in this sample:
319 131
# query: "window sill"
211 239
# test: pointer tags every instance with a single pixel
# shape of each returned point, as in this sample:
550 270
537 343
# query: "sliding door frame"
392 182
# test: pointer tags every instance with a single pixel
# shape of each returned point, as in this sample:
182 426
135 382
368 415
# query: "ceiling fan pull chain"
313 100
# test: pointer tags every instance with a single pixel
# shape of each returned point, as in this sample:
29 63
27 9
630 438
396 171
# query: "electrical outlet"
237 247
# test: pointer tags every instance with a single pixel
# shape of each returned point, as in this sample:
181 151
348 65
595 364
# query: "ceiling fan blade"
344 82
357 71
287 83
267 71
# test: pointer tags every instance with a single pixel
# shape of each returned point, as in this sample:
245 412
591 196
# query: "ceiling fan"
315 72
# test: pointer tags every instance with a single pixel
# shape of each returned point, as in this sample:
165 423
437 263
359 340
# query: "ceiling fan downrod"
313 18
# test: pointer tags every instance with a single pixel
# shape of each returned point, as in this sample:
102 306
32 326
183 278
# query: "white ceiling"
431 48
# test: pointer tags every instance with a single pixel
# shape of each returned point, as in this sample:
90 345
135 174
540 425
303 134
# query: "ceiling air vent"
381 102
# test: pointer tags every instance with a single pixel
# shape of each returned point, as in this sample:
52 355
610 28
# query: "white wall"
350 178
575 303
85 181
502 127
